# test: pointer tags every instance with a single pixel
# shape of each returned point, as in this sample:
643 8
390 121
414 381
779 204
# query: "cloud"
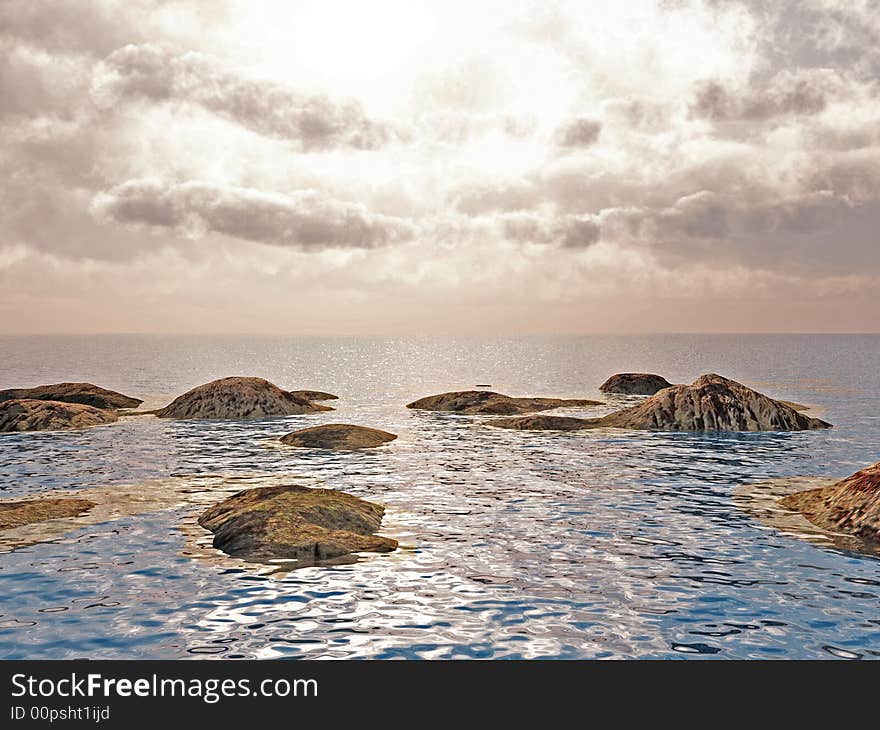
581 132
303 220
568 231
153 73
803 93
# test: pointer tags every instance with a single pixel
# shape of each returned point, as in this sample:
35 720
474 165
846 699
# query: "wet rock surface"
238 398
313 395
295 523
28 512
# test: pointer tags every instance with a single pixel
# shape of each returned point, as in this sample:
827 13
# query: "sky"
404 168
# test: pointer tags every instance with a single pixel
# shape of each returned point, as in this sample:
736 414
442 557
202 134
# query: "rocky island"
339 436
488 402
851 506
635 384
84 393
48 415
238 398
295 523
710 403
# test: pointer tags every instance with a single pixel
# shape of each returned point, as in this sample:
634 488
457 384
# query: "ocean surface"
595 544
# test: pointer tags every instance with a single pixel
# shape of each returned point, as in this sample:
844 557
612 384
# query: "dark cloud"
154 73
581 132
801 93
304 220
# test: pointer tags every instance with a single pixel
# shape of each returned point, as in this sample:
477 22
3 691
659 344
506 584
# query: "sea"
514 545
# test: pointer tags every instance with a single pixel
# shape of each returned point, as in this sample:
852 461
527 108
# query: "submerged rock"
635 384
313 395
711 403
238 398
486 401
85 393
47 415
295 523
851 505
338 436
27 512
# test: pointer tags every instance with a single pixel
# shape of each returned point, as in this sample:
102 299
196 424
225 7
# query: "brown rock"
485 401
542 423
711 403
338 436
85 393
26 512
313 395
295 523
852 505
635 384
47 415
238 398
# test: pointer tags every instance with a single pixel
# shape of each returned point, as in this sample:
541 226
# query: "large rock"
635 384
711 403
27 512
338 436
47 415
295 523
485 401
85 393
314 395
851 506
238 398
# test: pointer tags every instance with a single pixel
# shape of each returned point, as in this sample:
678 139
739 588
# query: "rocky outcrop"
338 436
85 393
851 506
238 398
27 512
313 395
635 384
711 403
295 523
488 402
47 415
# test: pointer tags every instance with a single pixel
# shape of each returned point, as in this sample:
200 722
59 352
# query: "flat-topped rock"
489 402
238 398
295 523
635 384
47 415
338 436
542 423
313 395
711 403
85 393
27 512
851 505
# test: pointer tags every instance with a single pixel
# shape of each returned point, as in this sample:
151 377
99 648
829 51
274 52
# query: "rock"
48 415
295 523
851 505
313 395
711 403
486 401
338 436
542 423
635 384
26 512
238 398
85 393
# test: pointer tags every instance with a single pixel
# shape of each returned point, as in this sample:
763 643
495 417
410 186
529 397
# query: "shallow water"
576 545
